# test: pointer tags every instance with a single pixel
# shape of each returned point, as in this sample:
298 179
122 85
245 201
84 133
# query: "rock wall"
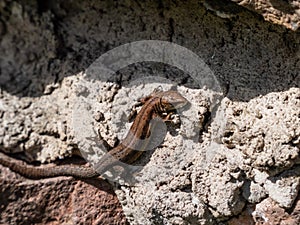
245 164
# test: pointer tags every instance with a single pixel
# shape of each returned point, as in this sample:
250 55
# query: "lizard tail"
34 172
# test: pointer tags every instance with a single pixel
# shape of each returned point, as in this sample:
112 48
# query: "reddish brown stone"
268 212
61 200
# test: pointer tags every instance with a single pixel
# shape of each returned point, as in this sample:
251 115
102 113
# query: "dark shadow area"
44 42
283 6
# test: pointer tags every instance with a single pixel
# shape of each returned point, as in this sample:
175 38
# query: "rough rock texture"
57 201
286 13
219 186
268 212
265 130
42 132
234 161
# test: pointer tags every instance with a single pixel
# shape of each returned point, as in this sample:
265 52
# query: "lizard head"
172 100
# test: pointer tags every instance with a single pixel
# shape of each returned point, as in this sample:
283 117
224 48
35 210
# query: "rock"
57 200
269 212
286 13
284 188
219 186
216 166
269 140
254 192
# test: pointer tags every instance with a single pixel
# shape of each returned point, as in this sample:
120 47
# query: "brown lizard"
159 104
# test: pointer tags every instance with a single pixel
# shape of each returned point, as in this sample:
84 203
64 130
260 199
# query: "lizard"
159 104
